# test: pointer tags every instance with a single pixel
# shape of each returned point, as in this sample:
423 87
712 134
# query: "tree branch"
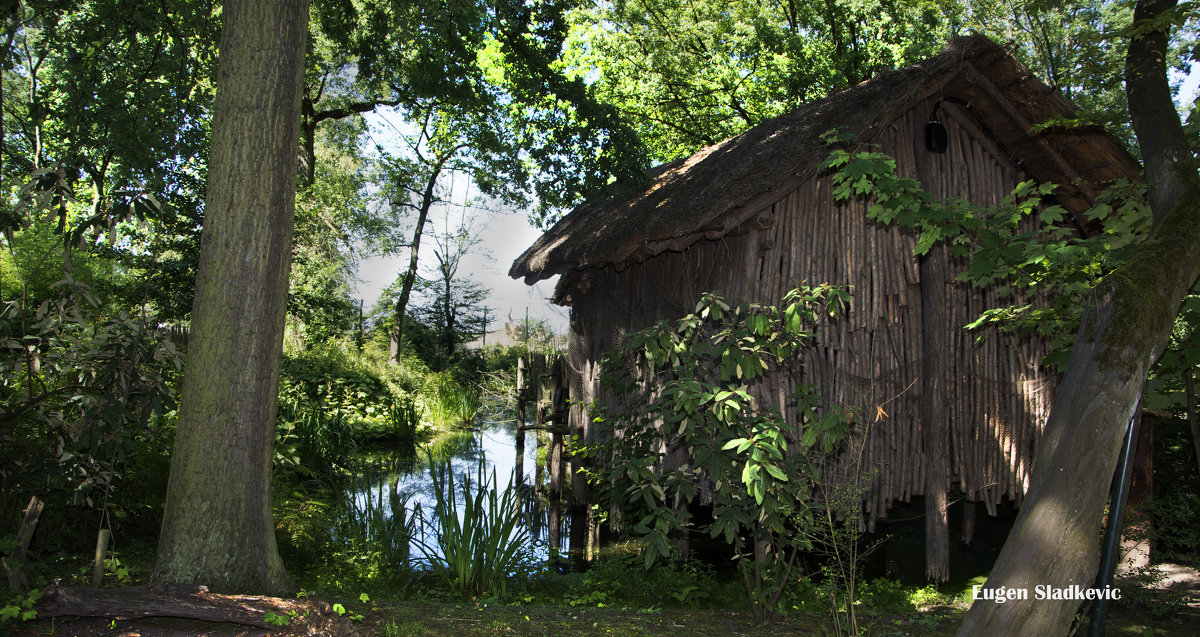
353 108
1159 132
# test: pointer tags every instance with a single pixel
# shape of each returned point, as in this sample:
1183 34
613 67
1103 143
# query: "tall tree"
217 528
691 73
435 149
1054 541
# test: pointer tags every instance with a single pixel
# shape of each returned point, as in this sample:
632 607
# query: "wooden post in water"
535 385
521 375
580 546
519 462
554 526
553 385
521 395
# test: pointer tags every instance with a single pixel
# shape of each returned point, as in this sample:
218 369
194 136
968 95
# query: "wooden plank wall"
997 397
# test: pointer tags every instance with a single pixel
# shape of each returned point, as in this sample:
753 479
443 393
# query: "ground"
1178 590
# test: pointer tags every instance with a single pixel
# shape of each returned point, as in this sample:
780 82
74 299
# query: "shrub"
688 384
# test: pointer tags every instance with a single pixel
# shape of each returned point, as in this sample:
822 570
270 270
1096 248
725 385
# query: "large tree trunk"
1055 539
217 528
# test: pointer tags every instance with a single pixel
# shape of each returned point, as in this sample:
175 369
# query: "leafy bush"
336 381
687 384
369 396
310 440
80 390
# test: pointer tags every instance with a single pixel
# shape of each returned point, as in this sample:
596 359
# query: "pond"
379 505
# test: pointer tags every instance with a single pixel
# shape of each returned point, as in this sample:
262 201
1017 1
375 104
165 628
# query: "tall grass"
447 404
404 418
473 546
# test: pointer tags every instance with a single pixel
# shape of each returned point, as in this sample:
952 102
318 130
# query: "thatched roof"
720 187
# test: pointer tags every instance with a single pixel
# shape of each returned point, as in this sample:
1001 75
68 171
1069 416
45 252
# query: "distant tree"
217 528
534 335
455 305
412 182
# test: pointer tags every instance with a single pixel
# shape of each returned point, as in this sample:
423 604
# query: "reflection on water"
381 503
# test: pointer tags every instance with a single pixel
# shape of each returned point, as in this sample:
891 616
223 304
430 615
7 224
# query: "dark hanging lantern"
937 139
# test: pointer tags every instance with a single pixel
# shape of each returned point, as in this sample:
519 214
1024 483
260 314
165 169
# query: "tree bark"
396 344
217 528
1055 539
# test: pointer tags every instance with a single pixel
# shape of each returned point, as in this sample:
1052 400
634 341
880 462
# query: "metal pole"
1116 517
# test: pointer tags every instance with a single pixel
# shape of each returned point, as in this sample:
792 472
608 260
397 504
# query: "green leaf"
776 472
1051 215
733 443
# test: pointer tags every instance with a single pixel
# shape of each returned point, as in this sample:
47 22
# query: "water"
380 504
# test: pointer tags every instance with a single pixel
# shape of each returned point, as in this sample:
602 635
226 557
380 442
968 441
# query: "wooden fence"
542 388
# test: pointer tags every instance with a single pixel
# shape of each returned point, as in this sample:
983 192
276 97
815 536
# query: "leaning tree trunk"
428 198
1055 540
217 528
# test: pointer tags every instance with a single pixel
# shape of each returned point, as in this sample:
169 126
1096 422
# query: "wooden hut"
751 214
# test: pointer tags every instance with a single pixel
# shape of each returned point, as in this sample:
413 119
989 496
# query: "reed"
404 418
448 404
474 545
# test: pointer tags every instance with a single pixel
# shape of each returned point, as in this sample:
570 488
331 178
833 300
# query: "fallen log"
196 603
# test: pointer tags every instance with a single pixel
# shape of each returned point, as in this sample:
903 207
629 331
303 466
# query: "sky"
504 239
505 235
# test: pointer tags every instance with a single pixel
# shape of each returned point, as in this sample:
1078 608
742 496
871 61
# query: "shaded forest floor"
1137 616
